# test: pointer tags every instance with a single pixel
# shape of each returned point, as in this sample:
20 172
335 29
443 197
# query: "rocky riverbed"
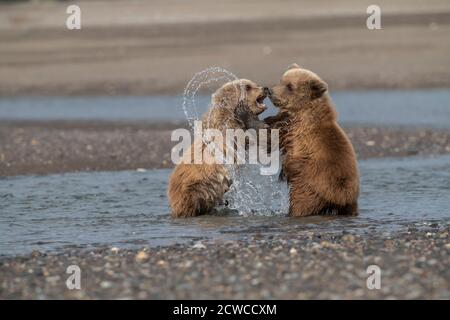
33 147
414 264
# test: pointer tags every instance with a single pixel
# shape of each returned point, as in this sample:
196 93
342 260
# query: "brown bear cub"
195 189
319 162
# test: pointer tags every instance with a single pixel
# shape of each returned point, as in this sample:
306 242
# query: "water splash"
202 79
254 194
251 193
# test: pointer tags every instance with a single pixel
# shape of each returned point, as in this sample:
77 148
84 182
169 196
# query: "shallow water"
424 108
129 208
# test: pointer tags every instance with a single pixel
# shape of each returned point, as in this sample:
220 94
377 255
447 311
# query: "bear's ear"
293 66
318 88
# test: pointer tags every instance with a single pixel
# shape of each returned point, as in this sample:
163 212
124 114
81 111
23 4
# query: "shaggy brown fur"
319 161
195 189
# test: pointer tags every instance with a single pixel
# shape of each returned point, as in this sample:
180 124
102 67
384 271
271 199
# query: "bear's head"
297 88
241 92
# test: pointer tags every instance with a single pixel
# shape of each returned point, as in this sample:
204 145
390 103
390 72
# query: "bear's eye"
248 87
289 87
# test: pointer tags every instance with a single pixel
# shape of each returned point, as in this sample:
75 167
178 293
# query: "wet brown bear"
319 161
195 189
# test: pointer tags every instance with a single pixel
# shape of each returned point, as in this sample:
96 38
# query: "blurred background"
155 46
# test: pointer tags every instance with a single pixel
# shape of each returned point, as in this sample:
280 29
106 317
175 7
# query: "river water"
129 208
423 108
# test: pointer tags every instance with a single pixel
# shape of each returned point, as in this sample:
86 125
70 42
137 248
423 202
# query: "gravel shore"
52 147
297 265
